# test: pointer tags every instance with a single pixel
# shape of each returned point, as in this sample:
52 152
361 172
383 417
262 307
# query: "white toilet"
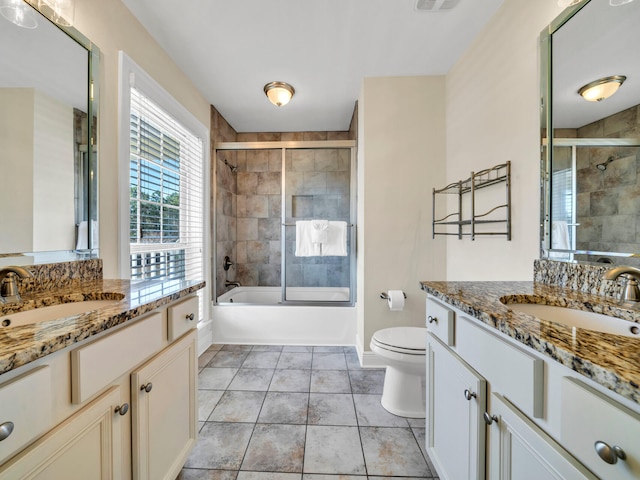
403 350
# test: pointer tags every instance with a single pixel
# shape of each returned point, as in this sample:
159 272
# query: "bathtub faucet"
229 283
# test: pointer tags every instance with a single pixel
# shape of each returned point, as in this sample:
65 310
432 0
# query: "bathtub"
255 315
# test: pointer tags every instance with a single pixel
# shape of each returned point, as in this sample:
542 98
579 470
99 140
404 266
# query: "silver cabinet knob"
432 319
489 419
147 387
609 454
5 430
122 409
190 317
468 394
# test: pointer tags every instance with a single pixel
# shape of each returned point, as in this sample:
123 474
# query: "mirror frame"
93 63
547 140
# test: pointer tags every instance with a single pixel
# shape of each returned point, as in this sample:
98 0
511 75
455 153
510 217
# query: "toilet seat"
404 340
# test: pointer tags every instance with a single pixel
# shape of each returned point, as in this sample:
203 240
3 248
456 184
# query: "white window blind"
166 230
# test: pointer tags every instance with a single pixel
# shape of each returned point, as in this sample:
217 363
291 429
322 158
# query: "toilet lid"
412 339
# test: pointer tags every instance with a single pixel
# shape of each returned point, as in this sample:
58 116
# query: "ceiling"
231 48
599 41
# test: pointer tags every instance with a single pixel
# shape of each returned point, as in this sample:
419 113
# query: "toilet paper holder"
384 296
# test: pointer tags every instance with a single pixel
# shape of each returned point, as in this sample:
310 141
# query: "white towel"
319 232
336 244
305 247
560 235
325 242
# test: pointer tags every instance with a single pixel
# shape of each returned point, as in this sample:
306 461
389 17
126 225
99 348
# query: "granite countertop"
20 345
610 360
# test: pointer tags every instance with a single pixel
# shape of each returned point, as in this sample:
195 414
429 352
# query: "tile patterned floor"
299 413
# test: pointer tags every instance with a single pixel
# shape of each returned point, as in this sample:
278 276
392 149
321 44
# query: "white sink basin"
53 312
579 318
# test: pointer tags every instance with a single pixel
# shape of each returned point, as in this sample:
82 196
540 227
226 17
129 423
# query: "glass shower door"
317 225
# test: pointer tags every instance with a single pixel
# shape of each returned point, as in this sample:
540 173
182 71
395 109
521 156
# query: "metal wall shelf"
496 175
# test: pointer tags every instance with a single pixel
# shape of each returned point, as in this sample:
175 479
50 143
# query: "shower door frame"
299 145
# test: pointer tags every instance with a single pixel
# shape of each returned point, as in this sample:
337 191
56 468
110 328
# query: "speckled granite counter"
610 360
21 345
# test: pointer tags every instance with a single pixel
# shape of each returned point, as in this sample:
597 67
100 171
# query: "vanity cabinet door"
456 397
164 420
86 446
519 449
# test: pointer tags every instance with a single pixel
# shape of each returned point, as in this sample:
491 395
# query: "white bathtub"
255 315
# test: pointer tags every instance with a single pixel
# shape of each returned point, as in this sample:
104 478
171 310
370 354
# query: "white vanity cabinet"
600 432
489 404
163 401
456 401
102 425
86 446
519 449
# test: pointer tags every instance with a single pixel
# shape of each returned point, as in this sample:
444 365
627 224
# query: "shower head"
603 166
233 168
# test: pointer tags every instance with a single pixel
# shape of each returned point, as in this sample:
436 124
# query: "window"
163 150
166 231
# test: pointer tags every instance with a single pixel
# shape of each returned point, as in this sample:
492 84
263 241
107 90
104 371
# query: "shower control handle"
227 263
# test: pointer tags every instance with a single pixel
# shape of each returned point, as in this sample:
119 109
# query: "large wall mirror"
591 148
48 147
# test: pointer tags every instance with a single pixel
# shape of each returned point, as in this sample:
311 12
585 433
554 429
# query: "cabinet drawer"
440 321
182 317
97 364
25 402
85 446
518 375
589 417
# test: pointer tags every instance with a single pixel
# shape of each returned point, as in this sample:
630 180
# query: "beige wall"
401 157
492 116
110 25
16 209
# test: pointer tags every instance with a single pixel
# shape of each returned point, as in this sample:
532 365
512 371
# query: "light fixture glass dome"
279 93
567 3
61 11
602 88
19 13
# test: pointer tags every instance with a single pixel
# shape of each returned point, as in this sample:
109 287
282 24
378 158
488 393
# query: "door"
317 225
520 450
86 446
164 419
456 396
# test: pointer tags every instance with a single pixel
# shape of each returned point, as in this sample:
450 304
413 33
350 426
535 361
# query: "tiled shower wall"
317 186
247 213
608 202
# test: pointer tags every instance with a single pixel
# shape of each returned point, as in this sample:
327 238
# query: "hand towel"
305 246
560 235
336 244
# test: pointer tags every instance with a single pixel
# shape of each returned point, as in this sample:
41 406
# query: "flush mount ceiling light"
19 13
60 11
602 88
279 93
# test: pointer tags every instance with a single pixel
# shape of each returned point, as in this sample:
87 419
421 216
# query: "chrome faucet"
631 292
9 283
229 283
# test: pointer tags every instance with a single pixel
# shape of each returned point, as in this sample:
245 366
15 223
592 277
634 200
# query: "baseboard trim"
205 336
